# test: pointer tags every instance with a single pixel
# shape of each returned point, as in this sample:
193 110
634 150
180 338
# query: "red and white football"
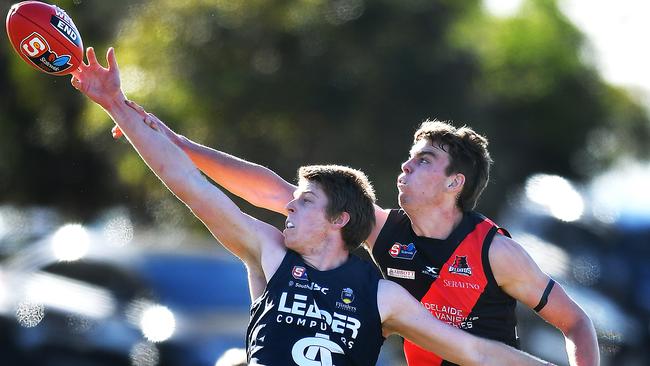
45 37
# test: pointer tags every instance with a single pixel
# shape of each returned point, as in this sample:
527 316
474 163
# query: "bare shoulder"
381 215
393 301
393 298
387 294
387 289
515 270
272 250
507 255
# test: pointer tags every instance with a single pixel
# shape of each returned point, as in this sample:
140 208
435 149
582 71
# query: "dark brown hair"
347 190
468 155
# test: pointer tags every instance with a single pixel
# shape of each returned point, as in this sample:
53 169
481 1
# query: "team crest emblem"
402 251
347 295
460 266
299 273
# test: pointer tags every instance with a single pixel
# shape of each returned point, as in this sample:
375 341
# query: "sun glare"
70 242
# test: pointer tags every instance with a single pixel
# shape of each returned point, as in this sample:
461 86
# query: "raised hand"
99 83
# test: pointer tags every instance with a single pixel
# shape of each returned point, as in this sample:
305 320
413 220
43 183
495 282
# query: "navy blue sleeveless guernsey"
452 278
316 318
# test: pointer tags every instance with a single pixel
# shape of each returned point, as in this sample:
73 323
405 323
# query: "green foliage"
286 83
543 106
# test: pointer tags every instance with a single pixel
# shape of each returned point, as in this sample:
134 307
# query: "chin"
406 204
402 200
289 244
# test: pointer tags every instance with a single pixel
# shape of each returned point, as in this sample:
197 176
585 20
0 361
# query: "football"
45 37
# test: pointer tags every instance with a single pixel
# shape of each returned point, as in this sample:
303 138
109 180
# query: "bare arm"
519 276
254 183
243 235
402 314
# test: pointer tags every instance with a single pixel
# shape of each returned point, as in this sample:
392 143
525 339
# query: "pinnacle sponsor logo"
401 273
299 311
460 266
402 251
299 273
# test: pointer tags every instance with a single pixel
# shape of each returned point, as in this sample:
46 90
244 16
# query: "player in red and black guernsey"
463 269
451 277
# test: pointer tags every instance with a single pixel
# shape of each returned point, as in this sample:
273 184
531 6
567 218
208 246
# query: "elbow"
581 325
582 342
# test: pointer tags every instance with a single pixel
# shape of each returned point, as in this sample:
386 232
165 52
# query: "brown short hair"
468 155
347 190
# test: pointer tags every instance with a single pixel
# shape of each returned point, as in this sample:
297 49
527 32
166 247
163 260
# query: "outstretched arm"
254 183
402 314
520 277
245 236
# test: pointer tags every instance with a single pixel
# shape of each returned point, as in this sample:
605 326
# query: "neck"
331 254
435 222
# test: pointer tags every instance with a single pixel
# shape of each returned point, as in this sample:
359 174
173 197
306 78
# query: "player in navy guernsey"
463 268
332 312
314 303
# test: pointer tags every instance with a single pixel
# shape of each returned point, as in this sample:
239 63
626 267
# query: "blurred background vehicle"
74 298
598 252
95 295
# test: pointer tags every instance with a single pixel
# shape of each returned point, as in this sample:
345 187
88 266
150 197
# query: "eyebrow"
296 194
423 153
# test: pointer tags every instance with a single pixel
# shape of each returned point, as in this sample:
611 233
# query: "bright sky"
617 31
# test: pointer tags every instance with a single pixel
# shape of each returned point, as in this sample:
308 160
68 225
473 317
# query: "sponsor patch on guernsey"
401 273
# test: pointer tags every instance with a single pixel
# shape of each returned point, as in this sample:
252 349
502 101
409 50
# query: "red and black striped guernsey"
452 278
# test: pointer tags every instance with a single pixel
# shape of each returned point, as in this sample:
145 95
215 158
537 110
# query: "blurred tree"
291 83
542 104
313 81
44 158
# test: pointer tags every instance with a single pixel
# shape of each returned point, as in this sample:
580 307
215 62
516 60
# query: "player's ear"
456 182
342 219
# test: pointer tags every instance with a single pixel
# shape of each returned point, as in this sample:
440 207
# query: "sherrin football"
45 37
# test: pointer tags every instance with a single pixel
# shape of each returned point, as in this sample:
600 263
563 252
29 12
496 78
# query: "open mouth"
289 225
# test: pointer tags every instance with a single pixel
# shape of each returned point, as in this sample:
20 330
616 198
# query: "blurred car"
74 298
593 258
